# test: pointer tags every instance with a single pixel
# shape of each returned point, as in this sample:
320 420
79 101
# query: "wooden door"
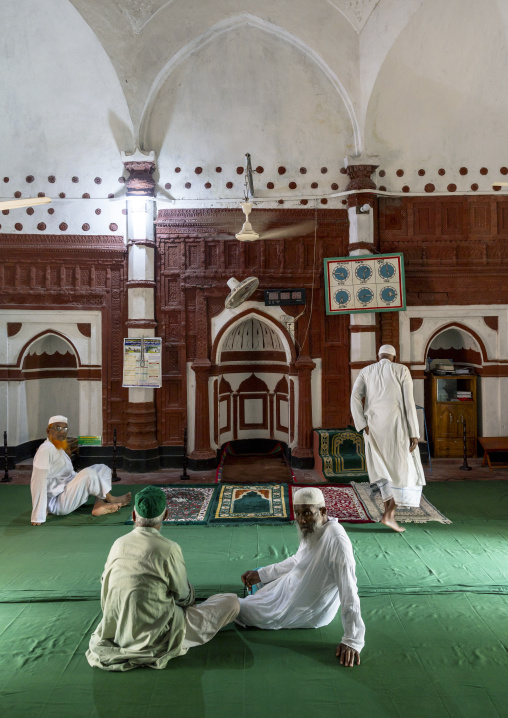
446 422
466 411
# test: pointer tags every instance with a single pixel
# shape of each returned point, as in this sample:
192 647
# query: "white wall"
493 408
47 397
441 94
419 83
26 406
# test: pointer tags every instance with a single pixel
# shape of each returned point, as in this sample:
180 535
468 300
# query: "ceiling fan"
26 202
247 233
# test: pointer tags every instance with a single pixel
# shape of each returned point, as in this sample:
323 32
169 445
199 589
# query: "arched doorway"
252 396
49 368
454 358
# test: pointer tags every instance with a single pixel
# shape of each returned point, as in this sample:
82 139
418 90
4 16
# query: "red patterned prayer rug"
342 503
187 504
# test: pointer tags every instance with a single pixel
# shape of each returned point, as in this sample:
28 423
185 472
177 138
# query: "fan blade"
28 202
296 230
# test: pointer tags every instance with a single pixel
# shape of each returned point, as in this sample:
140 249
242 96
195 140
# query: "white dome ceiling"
252 335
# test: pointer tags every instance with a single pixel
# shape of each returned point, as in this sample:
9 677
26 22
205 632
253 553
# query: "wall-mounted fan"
240 291
26 202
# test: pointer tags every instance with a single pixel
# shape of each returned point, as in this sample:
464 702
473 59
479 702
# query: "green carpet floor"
434 601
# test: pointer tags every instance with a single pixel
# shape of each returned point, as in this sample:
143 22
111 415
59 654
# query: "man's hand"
413 443
366 430
72 446
347 655
249 578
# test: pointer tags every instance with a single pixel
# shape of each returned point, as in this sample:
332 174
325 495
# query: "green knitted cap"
150 502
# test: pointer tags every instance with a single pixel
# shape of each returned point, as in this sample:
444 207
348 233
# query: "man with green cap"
149 614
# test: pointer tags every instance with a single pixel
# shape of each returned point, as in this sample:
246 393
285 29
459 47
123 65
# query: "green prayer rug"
251 503
339 454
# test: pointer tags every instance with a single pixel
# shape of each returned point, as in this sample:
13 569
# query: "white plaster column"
361 241
141 449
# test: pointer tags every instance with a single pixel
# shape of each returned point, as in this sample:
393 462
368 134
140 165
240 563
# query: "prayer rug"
342 503
340 454
251 504
187 504
375 507
240 467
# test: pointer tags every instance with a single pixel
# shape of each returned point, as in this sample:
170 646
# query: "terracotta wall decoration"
195 260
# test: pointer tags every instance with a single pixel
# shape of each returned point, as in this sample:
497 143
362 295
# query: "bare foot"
104 507
120 500
392 524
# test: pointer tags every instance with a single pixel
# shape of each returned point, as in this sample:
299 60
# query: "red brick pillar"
203 456
303 456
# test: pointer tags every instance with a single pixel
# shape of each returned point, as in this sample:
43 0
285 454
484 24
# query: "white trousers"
407 497
93 481
204 621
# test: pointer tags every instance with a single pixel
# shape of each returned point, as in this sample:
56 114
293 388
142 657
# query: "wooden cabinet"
451 400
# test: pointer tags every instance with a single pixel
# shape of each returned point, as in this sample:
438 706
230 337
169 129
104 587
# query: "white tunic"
57 488
51 473
390 413
306 590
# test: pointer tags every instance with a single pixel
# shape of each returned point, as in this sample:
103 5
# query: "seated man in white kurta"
58 489
383 408
149 614
306 590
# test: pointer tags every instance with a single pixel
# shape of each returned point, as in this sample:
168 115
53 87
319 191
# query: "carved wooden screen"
194 265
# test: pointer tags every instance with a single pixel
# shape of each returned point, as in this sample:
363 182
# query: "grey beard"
310 538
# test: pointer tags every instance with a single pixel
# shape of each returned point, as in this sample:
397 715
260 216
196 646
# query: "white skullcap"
387 349
309 495
56 419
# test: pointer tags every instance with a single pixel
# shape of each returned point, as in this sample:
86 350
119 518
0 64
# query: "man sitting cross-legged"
305 590
58 489
149 615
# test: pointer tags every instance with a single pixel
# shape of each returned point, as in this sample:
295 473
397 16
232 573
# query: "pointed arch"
462 328
282 386
238 318
24 351
253 384
228 25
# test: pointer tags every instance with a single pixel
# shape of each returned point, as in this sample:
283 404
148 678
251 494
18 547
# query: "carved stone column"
361 241
141 449
302 457
203 457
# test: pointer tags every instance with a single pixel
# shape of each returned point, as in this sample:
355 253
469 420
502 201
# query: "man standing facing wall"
387 417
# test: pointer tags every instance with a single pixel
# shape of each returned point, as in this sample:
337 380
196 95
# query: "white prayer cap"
57 419
387 349
309 495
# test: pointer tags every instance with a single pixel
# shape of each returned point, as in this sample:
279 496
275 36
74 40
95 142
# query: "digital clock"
276 297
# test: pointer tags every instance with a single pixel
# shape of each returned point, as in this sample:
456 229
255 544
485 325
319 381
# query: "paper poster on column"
142 365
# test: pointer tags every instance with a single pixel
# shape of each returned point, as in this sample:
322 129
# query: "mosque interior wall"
421 101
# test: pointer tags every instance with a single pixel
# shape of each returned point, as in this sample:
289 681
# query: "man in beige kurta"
149 615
